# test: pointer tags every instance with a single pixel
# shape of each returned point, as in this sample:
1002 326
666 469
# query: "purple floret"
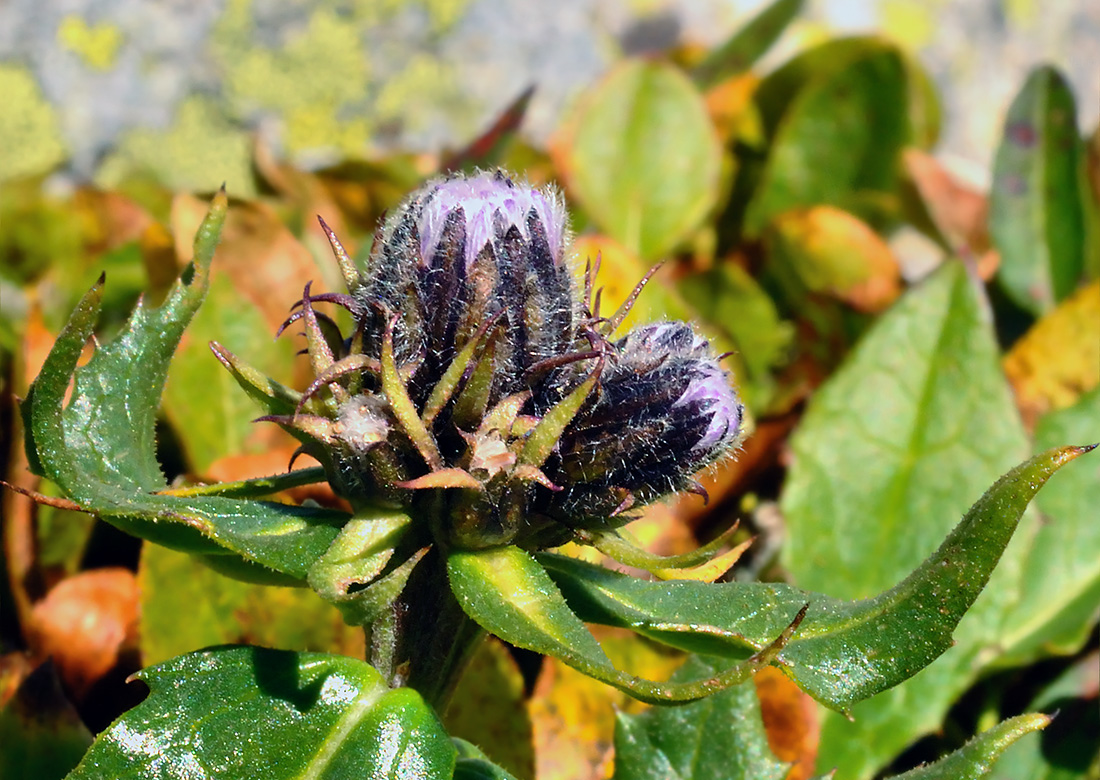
710 390
491 204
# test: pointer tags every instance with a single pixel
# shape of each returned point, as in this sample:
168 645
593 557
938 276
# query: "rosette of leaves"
477 414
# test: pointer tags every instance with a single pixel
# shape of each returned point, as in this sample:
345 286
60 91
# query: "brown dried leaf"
267 264
959 212
14 668
84 623
790 720
111 218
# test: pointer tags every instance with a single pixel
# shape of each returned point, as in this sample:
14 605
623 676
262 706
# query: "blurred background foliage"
898 242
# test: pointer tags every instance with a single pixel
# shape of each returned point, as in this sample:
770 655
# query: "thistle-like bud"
479 390
665 410
461 252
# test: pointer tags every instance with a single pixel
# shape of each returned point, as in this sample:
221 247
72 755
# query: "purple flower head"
708 391
477 387
666 409
490 204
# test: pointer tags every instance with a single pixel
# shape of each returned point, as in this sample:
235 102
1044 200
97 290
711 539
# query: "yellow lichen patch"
29 134
322 64
315 76
425 80
1058 360
316 127
97 46
200 151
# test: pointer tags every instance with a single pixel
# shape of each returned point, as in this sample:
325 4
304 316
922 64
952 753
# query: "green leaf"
474 765
488 708
362 572
1036 207
843 652
1059 585
252 712
642 158
221 610
719 738
911 429
838 120
100 449
975 759
900 440
506 592
210 415
62 535
748 44
106 436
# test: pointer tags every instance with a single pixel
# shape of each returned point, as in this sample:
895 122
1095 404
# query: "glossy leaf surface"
976 758
844 651
719 738
251 712
509 594
1037 214
911 429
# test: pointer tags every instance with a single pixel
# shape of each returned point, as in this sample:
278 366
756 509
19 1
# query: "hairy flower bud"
479 390
665 410
462 251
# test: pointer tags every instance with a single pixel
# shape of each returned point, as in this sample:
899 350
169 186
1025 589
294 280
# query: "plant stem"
425 640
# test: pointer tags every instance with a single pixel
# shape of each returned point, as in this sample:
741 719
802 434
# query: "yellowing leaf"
731 108
1058 360
834 253
488 709
573 716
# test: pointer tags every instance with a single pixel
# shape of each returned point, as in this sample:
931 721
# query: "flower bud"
477 388
665 410
462 251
